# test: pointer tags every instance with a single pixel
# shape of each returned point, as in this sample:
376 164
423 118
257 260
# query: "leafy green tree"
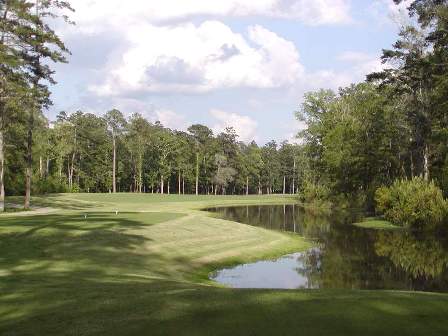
38 45
137 140
202 136
183 158
251 165
412 81
116 123
224 173
271 167
166 146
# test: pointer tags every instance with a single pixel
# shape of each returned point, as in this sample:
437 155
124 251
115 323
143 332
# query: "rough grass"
376 223
84 270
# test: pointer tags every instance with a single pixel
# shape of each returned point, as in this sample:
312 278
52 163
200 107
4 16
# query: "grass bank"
377 223
82 269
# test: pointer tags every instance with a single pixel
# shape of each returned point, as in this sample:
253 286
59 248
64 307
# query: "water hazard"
345 256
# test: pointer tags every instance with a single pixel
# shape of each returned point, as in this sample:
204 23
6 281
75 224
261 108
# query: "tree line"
393 126
83 152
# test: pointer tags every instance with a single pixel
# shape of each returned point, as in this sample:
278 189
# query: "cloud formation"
244 126
362 63
118 12
173 60
199 58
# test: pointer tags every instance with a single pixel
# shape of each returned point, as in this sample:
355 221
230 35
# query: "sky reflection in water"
346 257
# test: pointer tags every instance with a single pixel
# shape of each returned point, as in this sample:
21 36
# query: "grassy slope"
144 274
376 223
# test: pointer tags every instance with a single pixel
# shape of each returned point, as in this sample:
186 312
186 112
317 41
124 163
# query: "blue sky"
239 63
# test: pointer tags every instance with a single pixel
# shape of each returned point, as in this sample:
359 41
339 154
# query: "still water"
345 256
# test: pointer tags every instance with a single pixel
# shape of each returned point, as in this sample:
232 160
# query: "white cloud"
93 15
244 126
386 12
293 130
190 58
362 63
328 79
356 66
172 119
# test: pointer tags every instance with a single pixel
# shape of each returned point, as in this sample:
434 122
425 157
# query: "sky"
239 63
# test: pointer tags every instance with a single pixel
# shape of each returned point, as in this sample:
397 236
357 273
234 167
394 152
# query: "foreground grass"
376 223
85 270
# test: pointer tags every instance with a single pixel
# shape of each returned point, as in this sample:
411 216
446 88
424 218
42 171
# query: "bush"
315 194
412 203
49 185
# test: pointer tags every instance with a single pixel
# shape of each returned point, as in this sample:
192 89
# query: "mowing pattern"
85 270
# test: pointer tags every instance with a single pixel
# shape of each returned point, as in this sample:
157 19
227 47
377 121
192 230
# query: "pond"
344 256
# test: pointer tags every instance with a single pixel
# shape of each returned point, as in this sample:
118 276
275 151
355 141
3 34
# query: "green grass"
145 273
376 223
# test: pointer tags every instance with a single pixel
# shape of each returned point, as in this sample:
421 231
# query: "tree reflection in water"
350 257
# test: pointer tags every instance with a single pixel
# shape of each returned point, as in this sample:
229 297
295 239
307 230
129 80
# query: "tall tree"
138 136
201 135
224 173
411 79
116 123
38 44
13 75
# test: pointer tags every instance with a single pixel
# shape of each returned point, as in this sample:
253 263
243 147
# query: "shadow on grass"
57 201
66 275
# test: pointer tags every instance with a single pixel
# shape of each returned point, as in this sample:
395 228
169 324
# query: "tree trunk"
60 171
161 185
68 173
284 184
41 167
183 185
197 173
114 183
168 185
293 189
72 170
2 173
247 185
47 167
29 160
140 181
426 163
179 181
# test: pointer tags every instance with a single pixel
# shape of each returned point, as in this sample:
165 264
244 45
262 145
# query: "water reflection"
347 257
285 272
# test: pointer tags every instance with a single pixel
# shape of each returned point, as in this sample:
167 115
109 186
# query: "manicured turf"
85 270
376 223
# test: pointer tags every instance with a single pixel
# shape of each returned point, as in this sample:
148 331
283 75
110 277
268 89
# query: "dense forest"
82 152
393 126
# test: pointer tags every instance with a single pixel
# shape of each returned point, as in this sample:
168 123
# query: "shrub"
315 194
49 185
412 203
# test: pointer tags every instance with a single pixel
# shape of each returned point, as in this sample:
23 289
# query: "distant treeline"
83 152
